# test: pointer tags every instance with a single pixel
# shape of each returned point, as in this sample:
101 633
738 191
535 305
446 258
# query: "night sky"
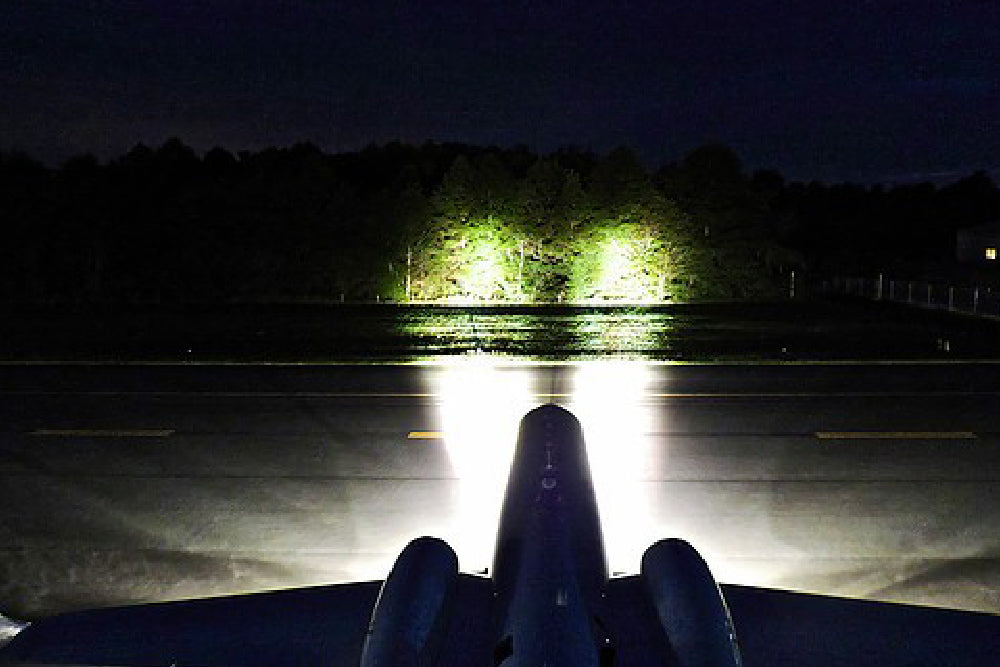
886 90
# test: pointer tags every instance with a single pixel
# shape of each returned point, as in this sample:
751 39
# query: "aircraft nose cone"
551 438
551 417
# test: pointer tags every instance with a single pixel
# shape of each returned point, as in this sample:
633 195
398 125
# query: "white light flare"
9 628
610 398
482 401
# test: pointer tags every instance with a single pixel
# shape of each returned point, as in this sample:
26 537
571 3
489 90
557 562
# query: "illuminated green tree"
466 260
494 188
456 198
641 255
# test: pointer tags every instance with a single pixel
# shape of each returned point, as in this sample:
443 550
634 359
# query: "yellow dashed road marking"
425 435
895 435
104 432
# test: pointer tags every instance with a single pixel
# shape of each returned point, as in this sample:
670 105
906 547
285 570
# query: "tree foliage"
445 222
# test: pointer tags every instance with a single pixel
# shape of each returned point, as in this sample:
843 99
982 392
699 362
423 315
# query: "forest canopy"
436 222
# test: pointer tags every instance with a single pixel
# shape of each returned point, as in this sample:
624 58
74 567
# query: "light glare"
481 404
609 399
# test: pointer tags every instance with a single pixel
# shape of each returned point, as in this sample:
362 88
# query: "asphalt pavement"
132 483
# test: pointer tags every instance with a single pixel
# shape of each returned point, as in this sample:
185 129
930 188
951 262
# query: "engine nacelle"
690 606
411 614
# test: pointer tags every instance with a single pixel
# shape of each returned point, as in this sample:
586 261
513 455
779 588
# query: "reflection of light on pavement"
624 333
609 399
481 403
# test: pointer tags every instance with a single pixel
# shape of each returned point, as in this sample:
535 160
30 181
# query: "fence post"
928 295
975 299
909 291
951 298
878 288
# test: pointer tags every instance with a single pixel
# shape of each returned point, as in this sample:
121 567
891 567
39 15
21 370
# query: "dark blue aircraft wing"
297 626
307 626
326 626
784 629
778 628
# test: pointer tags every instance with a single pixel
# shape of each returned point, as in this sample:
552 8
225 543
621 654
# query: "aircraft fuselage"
549 569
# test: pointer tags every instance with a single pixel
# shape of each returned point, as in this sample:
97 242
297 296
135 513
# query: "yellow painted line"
895 435
104 432
425 435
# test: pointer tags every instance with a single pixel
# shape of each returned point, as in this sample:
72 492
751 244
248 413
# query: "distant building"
978 244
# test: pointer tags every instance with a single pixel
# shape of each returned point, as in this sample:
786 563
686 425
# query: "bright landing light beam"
482 400
481 403
610 398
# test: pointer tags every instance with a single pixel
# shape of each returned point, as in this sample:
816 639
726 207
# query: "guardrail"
978 300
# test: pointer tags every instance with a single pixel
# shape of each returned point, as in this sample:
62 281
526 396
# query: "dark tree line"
909 228
166 225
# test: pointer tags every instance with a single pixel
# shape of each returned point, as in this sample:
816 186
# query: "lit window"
991 253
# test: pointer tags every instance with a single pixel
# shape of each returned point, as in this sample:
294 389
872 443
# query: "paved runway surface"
137 483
